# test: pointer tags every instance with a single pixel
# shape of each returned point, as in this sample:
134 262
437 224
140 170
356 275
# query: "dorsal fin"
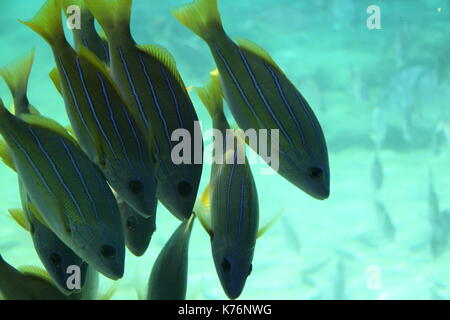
165 57
35 271
46 123
256 50
54 76
5 155
19 216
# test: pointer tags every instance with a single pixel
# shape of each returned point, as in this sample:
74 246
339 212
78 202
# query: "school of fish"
90 191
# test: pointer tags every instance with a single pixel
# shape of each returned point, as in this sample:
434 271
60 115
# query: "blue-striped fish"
138 230
53 253
99 116
29 283
260 96
86 36
149 80
168 280
233 201
67 189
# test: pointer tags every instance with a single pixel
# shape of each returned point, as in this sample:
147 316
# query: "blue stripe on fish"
55 170
286 103
174 97
111 117
230 180
155 100
91 106
75 102
41 177
133 89
83 183
263 98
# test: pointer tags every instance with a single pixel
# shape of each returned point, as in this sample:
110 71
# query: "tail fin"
111 13
47 22
16 76
201 16
211 94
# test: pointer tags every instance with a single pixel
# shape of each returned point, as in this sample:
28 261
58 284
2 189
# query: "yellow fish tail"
16 75
211 94
112 15
47 22
201 16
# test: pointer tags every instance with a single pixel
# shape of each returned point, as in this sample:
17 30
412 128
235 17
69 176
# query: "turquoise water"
391 85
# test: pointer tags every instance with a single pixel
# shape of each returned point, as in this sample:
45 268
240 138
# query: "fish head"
102 247
233 266
138 189
178 191
313 177
138 230
57 258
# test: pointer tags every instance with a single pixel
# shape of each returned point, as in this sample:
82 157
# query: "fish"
100 118
138 230
30 283
53 253
384 220
68 189
377 172
261 96
148 78
233 198
86 36
168 280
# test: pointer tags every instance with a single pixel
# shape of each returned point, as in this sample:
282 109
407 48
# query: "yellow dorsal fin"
256 50
46 123
35 212
16 74
165 57
211 94
35 271
110 292
54 76
102 67
202 210
5 155
269 224
19 216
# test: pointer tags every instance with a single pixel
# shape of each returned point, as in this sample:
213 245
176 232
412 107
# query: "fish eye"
107 251
184 188
136 186
226 265
56 259
131 223
250 269
315 173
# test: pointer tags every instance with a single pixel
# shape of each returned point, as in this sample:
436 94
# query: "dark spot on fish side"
226 265
136 186
32 229
56 260
108 251
184 188
315 173
131 223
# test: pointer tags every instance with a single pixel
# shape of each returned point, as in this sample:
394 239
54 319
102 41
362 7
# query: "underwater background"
374 237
